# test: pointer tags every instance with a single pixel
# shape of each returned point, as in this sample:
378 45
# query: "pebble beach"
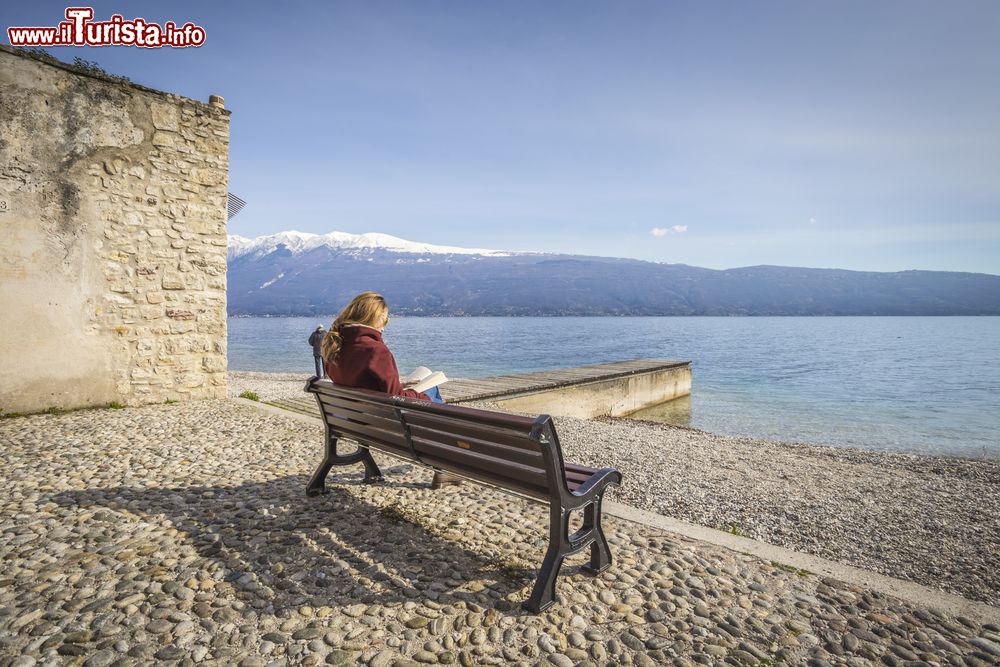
931 520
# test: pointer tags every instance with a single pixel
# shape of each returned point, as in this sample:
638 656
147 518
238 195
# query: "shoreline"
909 454
930 519
290 385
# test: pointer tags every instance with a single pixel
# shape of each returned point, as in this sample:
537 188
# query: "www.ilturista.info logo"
80 30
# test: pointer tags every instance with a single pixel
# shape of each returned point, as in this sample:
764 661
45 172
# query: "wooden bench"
520 455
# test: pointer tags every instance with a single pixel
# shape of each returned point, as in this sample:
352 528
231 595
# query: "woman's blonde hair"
367 308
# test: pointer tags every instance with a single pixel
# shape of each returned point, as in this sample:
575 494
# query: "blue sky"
862 135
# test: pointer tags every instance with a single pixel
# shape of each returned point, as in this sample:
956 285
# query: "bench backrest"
519 454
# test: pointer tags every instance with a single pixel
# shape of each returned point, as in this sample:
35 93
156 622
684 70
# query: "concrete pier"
614 394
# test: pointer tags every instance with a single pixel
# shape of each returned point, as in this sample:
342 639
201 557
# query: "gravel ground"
268 386
181 534
932 520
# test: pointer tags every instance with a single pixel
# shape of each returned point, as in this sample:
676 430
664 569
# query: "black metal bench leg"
317 484
543 595
372 473
600 553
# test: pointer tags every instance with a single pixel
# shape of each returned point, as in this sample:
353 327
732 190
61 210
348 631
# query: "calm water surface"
918 384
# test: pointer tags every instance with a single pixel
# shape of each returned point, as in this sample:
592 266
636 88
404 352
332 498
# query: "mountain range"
294 273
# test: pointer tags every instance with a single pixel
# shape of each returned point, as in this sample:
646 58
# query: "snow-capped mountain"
300 242
293 273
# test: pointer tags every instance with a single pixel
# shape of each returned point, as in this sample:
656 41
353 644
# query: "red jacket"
365 362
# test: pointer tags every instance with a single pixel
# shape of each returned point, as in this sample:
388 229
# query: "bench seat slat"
364 434
464 442
328 388
377 443
538 493
358 417
515 474
363 407
469 415
575 478
575 467
468 429
352 394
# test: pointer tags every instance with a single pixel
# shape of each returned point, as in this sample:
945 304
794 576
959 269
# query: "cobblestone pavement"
180 533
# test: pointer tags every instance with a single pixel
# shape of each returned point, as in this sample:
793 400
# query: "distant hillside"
306 274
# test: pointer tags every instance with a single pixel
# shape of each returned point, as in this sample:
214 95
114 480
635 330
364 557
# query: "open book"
422 379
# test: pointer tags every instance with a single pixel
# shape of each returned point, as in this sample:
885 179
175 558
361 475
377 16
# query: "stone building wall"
113 252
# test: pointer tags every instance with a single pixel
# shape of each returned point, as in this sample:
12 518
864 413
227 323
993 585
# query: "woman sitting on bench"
355 355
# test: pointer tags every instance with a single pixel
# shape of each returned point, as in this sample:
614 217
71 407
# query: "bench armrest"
600 479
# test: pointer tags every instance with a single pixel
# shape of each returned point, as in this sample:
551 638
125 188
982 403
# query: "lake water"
915 384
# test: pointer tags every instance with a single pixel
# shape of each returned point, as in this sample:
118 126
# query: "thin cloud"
812 221
664 231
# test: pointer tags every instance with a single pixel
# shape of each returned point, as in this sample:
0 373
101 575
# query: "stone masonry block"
172 280
214 363
163 139
179 314
165 116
